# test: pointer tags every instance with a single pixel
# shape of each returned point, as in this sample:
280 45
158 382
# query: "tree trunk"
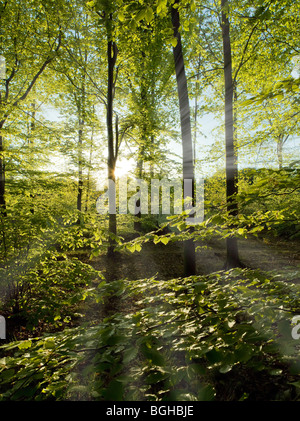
186 133
32 129
2 178
111 160
196 110
89 172
138 215
231 161
80 173
280 151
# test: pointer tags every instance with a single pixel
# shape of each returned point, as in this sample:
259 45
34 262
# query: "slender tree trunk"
231 161
186 133
138 215
32 129
80 172
195 131
142 146
111 160
32 120
2 178
196 110
280 151
89 172
2 173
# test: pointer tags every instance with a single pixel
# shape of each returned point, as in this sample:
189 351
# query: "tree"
29 46
186 132
149 93
112 52
266 37
233 259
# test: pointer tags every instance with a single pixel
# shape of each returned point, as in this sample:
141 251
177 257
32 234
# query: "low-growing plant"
222 336
46 294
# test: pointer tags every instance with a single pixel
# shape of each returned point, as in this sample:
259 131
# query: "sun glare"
124 167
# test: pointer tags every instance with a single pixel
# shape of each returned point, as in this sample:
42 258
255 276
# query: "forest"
149 200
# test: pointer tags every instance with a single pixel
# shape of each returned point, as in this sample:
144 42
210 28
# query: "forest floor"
166 261
278 257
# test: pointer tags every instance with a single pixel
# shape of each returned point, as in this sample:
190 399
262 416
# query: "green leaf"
276 372
225 369
25 344
121 16
154 356
131 248
207 393
140 15
138 247
199 287
114 392
156 377
49 344
174 42
91 4
149 15
195 369
182 225
214 356
129 354
165 240
161 6
6 375
297 384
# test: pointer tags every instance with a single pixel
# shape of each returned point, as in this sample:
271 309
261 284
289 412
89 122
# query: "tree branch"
242 62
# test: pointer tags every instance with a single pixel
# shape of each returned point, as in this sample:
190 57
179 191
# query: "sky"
205 140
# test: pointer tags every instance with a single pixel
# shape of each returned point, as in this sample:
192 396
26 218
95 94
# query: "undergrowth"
225 336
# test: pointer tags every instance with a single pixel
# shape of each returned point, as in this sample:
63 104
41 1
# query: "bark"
111 160
280 151
32 129
186 133
89 172
233 259
196 110
138 215
142 146
81 122
2 178
80 172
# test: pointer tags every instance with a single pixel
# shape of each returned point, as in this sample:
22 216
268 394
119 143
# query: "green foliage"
184 339
46 292
39 368
225 335
268 191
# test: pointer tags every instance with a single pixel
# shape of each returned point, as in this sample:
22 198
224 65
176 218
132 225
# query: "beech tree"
186 133
231 158
37 36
